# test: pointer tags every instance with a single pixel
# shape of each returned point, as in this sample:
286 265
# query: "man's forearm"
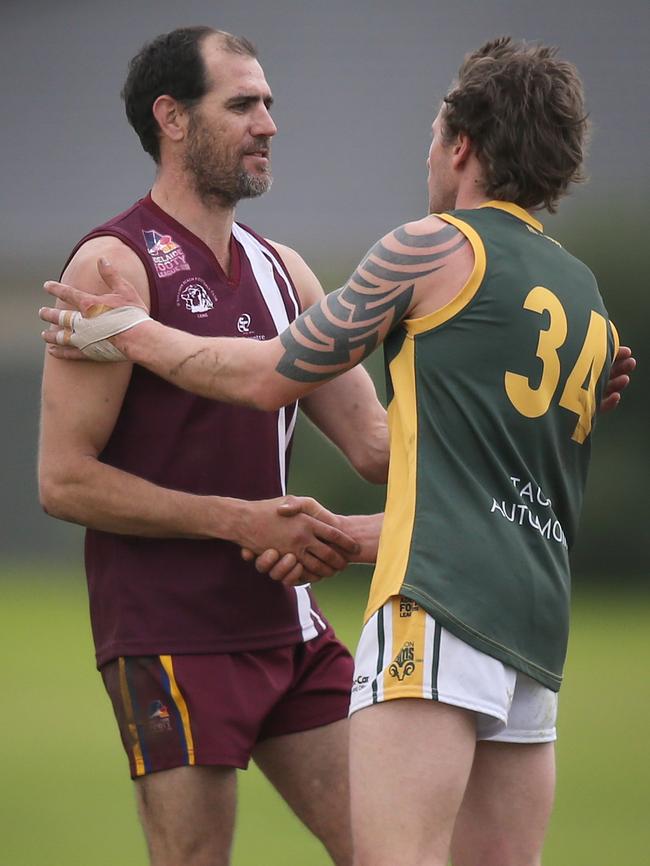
365 529
348 412
219 368
102 497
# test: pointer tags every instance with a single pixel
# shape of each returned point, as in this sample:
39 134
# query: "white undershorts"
404 653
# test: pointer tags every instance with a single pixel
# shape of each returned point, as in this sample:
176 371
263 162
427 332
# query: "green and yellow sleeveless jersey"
491 408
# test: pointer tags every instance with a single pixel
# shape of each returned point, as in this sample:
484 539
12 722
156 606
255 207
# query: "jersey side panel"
397 530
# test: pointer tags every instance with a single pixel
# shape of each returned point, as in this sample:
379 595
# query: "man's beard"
218 173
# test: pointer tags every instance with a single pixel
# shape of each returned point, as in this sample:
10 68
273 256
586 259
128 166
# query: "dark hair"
523 110
170 64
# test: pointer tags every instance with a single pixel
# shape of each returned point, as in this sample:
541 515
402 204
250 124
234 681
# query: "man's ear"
171 117
462 149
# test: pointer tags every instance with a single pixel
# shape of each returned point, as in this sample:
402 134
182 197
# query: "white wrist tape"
92 335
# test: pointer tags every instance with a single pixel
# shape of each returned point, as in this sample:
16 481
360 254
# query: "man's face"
442 181
228 152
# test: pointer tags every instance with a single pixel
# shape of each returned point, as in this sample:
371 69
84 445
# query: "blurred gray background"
356 86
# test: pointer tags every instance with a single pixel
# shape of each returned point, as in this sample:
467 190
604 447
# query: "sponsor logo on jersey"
523 514
244 323
407 607
196 296
404 663
159 719
167 256
244 328
360 682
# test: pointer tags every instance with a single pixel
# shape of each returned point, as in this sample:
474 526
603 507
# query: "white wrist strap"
92 335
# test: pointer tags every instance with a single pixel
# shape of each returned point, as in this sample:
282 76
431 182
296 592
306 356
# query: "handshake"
296 540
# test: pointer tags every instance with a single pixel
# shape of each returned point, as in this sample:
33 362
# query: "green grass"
66 797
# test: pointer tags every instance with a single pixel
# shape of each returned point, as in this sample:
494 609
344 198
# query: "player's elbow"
49 494
371 458
373 471
54 493
266 395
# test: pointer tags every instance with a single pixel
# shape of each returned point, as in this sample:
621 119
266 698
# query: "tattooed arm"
412 271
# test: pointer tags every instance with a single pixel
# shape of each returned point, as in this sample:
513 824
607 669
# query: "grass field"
66 797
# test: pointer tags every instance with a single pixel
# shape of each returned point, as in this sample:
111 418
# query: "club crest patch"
196 296
159 719
168 256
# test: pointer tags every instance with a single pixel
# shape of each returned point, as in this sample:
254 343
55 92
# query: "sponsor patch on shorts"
404 653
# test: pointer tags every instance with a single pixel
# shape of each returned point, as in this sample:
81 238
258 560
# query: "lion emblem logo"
197 300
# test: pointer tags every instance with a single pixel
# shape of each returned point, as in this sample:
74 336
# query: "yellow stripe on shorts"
404 676
179 700
130 718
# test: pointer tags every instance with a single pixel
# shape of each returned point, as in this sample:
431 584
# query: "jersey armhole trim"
469 290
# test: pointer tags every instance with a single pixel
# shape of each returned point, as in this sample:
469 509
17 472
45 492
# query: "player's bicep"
80 405
346 325
82 400
410 265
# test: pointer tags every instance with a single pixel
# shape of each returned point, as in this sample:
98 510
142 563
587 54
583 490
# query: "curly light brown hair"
523 110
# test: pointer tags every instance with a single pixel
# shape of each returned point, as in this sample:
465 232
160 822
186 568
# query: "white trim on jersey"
305 613
282 273
275 262
264 266
318 619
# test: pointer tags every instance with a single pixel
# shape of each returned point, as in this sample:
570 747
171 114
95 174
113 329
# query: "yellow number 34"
535 402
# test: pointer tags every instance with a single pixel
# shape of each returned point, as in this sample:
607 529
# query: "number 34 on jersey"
579 392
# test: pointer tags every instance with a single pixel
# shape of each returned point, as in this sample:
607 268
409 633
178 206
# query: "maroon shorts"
179 710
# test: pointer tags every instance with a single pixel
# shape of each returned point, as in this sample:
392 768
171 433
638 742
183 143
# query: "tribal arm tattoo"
348 324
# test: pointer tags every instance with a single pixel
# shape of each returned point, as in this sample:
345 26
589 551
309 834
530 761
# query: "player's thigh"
409 763
505 811
310 771
188 815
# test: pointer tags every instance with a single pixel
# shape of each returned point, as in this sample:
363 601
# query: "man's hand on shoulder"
121 283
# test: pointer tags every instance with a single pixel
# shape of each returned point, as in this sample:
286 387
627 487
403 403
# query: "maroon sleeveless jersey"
161 596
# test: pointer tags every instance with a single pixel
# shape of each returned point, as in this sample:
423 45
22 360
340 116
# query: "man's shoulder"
82 267
109 246
116 240
425 226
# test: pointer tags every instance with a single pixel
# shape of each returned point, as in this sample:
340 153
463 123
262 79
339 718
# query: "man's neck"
471 186
470 196
212 222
